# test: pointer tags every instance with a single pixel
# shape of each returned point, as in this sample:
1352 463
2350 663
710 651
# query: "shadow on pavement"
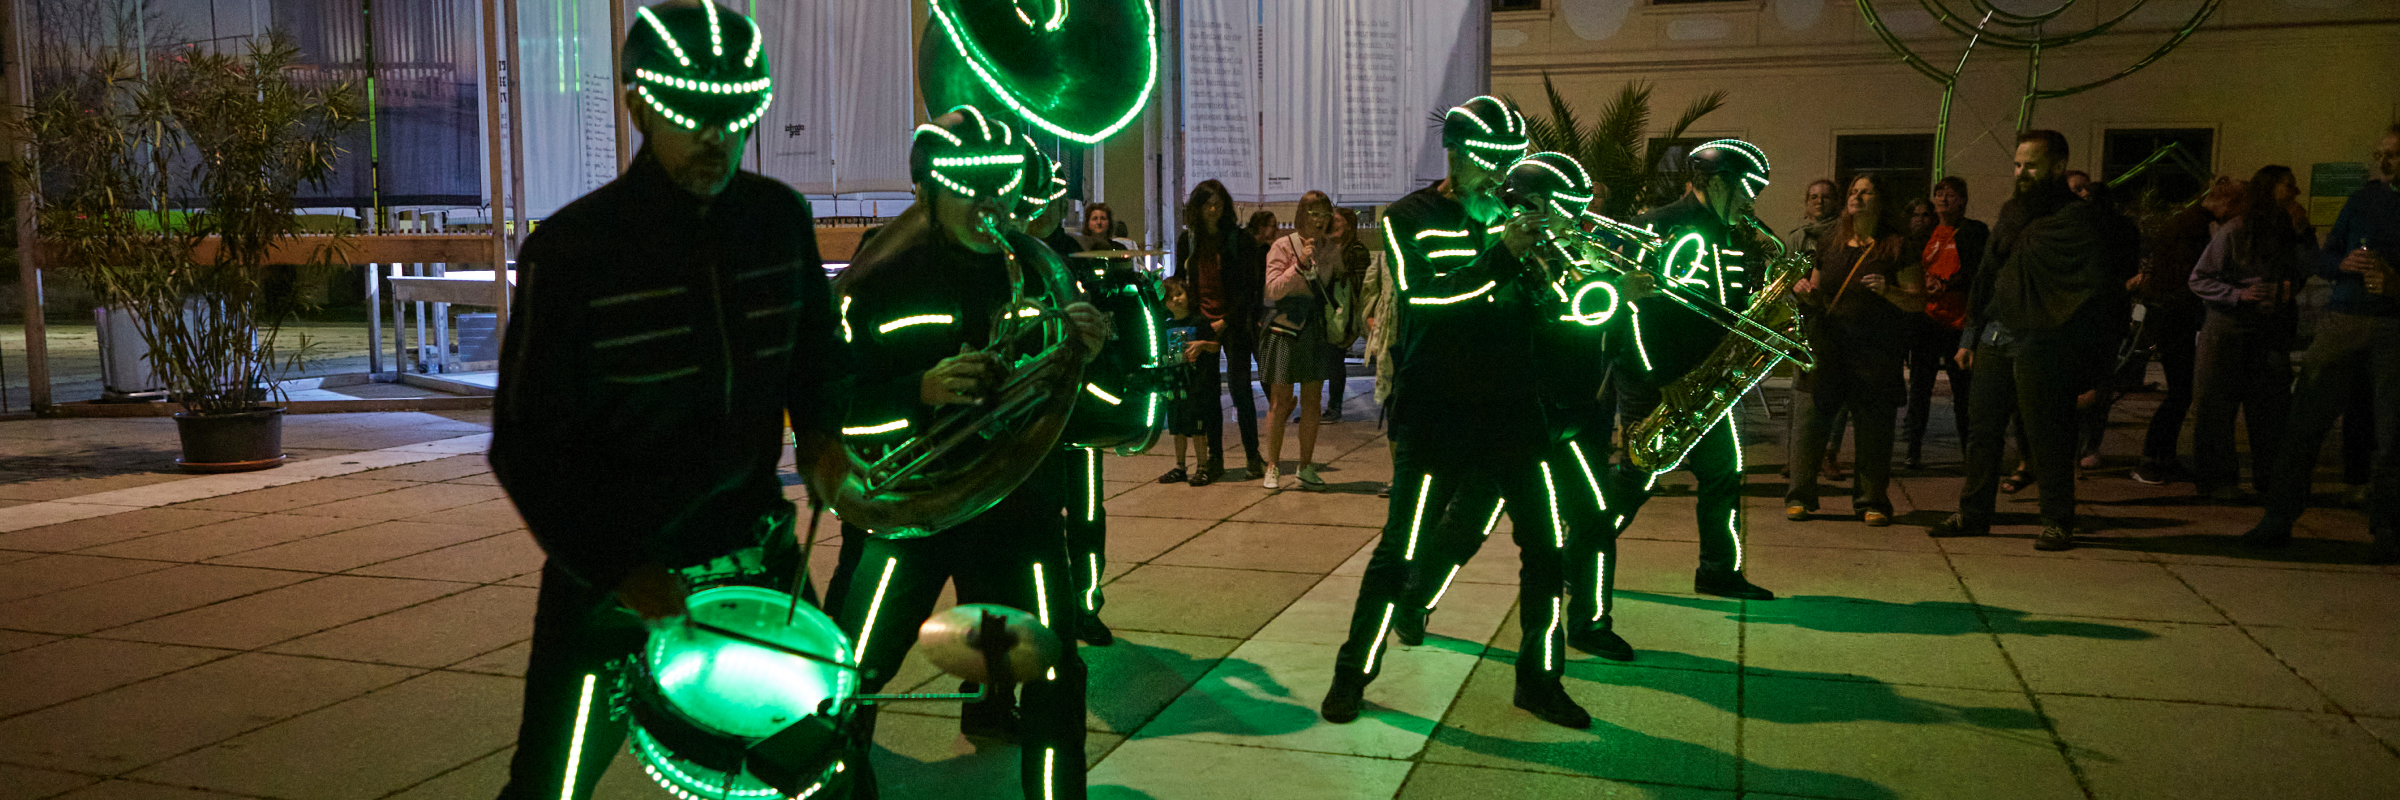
1834 614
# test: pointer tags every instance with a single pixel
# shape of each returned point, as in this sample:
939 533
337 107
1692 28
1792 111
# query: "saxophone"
1693 403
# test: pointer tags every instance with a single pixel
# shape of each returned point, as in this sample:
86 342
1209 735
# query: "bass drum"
1126 389
727 707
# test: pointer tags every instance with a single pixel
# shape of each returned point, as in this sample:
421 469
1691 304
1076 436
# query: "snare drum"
737 712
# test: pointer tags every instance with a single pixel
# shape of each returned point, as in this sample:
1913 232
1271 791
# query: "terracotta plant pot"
250 440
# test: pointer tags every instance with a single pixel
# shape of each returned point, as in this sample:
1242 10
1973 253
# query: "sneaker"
1309 479
1409 626
1875 518
1272 474
1955 526
1342 702
2053 538
1548 701
2149 475
1176 475
1727 584
1093 632
1603 643
1796 513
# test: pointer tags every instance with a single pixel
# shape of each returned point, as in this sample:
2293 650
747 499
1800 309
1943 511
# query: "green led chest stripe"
920 319
1440 232
1391 239
870 430
1480 291
976 59
1639 348
845 315
1450 254
1104 396
661 29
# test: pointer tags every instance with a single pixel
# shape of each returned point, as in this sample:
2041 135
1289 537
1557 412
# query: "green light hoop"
1047 72
735 689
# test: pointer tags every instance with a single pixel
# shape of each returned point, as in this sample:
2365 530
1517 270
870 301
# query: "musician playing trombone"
1710 246
671 318
1467 426
916 304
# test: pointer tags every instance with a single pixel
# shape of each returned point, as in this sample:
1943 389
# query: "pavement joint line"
438 775
2066 751
2331 702
52 512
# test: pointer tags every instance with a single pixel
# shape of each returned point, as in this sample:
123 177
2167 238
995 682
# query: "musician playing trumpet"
918 301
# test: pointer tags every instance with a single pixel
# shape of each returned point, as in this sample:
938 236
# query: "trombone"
1583 254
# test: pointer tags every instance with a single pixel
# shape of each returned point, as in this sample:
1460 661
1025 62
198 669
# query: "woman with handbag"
1866 284
1348 283
1293 351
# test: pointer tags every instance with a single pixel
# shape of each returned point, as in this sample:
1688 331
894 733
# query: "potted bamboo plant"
164 183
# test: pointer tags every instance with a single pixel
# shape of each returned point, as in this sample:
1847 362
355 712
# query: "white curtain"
845 77
568 103
1336 96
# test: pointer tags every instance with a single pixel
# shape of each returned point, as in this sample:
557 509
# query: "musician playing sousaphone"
916 305
664 325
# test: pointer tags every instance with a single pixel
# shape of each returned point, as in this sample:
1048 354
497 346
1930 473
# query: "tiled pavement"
352 626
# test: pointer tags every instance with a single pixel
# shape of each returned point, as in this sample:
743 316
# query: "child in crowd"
1196 406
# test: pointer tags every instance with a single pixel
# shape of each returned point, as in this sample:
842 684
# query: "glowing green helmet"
1547 182
1740 163
1042 186
699 65
1489 130
968 153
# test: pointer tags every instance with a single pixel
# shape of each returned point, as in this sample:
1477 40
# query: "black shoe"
1207 475
991 719
1916 457
1254 471
2055 537
1727 584
1093 632
1955 526
1343 701
1331 415
1410 626
2268 535
1176 475
1603 643
1549 702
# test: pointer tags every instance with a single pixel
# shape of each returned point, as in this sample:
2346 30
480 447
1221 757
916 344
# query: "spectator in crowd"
2041 304
1293 352
2359 339
1820 210
1195 413
2172 318
1226 274
1866 284
1099 227
1349 320
1262 229
2079 182
1951 250
2245 278
2108 358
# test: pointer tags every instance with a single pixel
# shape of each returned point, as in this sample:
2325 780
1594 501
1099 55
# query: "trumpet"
1577 254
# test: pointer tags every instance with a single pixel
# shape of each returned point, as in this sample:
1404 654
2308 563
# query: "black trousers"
2349 348
1013 555
2358 435
1716 461
1593 526
1087 529
1447 494
578 629
2243 370
1239 352
1932 353
2035 381
2176 336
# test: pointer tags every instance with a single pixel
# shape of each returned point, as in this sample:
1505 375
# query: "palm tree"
1617 149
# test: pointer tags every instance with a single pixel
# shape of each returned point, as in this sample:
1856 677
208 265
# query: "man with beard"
1467 425
2043 308
2358 341
673 316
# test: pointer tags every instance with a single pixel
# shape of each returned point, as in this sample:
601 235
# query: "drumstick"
808 545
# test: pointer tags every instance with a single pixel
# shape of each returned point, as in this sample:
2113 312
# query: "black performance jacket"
654 348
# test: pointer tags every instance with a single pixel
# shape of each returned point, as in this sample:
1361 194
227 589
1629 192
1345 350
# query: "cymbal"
949 639
1117 253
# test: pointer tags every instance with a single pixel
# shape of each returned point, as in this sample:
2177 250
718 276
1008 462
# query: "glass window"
2175 178
1904 161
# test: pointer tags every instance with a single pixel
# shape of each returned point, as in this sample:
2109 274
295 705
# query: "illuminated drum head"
738 689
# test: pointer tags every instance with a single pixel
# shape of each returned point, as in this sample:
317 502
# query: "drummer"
927 291
672 316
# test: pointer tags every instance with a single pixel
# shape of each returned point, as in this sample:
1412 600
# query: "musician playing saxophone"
1467 427
919 299
1710 249
671 317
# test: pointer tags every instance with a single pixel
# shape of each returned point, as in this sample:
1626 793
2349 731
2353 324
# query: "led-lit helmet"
1042 186
1740 163
698 65
1551 183
1489 130
970 154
